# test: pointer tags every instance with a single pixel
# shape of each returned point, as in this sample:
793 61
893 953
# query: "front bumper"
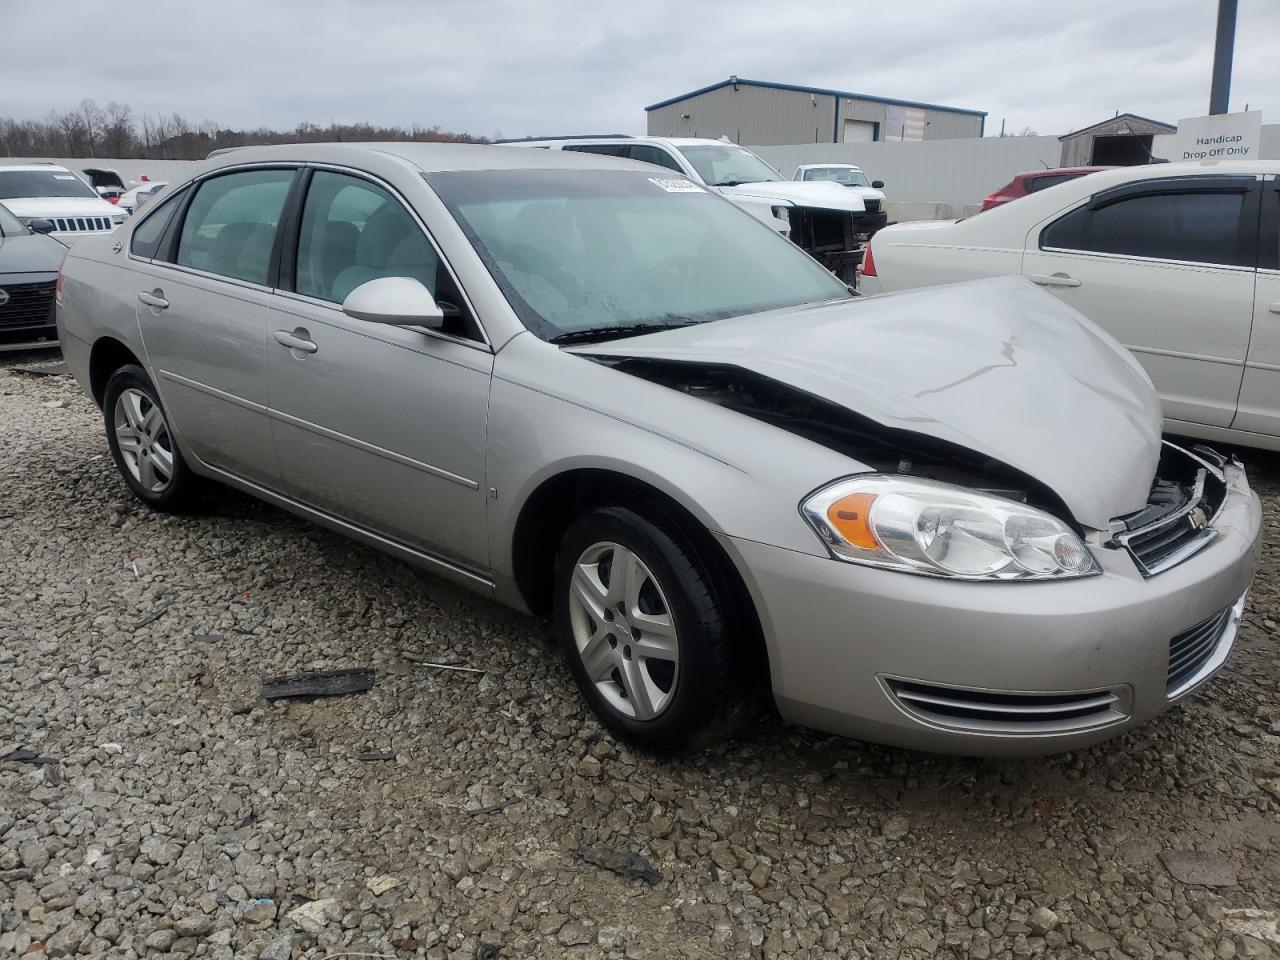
864 653
869 222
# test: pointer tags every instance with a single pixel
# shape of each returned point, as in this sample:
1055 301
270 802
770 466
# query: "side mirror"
41 226
400 301
878 184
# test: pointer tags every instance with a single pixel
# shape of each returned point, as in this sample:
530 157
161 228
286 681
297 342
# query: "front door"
202 307
1167 268
379 425
1260 393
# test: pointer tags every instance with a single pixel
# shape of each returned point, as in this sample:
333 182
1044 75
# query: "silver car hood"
997 366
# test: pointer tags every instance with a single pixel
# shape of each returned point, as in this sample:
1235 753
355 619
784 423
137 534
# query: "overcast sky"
575 66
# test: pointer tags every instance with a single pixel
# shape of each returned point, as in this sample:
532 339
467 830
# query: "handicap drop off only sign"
1223 136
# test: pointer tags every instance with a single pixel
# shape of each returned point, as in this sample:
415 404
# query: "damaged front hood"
822 195
997 366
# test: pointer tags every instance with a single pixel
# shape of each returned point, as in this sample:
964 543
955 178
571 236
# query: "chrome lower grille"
968 710
1197 653
81 224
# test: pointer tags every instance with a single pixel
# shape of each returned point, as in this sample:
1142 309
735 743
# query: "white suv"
45 191
823 219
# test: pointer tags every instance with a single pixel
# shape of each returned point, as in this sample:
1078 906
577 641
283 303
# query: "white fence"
130 171
955 172
958 173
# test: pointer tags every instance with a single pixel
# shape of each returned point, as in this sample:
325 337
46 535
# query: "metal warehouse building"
763 114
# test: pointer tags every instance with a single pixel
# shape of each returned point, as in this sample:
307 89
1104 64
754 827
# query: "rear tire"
644 632
143 445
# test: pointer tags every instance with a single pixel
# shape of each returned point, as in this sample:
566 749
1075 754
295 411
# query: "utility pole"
1223 49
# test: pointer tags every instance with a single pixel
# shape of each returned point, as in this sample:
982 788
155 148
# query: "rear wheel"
644 632
142 444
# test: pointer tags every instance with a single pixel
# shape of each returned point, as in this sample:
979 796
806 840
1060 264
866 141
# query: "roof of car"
36 167
813 166
428 157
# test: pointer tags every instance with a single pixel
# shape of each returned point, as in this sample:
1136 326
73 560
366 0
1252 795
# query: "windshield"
42 183
10 226
849 176
728 165
594 254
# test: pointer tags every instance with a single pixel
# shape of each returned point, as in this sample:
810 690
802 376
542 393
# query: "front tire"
142 443
644 632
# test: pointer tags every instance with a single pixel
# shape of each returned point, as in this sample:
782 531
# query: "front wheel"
142 443
644 632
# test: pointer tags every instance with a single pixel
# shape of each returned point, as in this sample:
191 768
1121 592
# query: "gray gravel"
491 816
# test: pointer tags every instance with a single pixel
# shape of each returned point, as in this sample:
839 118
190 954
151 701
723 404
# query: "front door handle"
1275 307
153 298
298 340
1054 280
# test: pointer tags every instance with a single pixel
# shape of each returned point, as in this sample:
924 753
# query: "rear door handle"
153 298
298 340
1054 280
1274 308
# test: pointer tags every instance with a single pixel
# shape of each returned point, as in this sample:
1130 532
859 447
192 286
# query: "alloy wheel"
624 631
143 438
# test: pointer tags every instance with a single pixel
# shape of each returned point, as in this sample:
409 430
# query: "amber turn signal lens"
851 516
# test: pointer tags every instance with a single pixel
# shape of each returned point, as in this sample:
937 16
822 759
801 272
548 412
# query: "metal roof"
1172 128
823 91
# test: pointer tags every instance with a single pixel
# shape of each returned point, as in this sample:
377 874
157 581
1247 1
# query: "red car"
1034 181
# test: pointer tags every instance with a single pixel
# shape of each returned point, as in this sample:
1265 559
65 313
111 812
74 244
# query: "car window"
1036 184
145 241
648 153
354 231
727 165
580 250
603 149
42 183
1196 227
230 226
11 226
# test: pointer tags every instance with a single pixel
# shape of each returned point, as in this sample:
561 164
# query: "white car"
1180 262
135 197
852 178
46 191
823 219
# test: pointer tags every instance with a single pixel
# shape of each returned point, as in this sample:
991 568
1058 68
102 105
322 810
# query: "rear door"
202 308
1260 392
380 425
1167 267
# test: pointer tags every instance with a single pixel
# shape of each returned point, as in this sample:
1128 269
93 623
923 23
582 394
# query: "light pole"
1223 48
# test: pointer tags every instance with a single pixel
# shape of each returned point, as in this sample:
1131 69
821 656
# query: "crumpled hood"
30 253
821 194
60 207
997 366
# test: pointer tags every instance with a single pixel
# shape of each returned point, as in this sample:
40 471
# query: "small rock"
280 948
159 940
1090 939
1042 920
313 917
259 911
1199 869
574 933
196 926
895 828
380 885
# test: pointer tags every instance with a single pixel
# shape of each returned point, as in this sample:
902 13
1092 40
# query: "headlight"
780 213
923 526
118 218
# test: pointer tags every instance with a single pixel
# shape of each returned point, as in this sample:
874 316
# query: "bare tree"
118 134
92 121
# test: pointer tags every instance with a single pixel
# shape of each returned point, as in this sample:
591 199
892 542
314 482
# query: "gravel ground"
476 815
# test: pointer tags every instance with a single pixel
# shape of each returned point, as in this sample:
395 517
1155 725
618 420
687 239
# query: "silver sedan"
603 395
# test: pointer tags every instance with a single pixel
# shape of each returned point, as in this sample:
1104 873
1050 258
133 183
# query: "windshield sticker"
63 176
676 184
